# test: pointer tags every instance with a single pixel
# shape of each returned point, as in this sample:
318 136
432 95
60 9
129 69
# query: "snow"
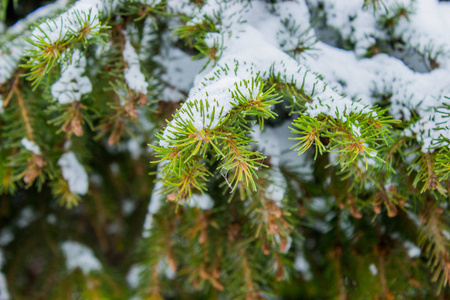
319 204
9 59
51 219
171 95
133 275
203 201
275 142
134 147
277 187
59 28
128 206
155 204
355 24
360 78
40 13
373 153
288 242
147 39
387 75
373 269
426 30
356 130
71 86
30 146
133 75
345 223
182 6
4 294
179 71
156 201
414 218
413 250
446 234
302 266
296 20
83 14
253 40
250 36
80 256
6 236
114 168
163 266
321 226
27 215
74 173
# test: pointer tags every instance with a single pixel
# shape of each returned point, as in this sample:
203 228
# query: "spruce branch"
227 140
232 206
296 97
349 135
192 33
50 45
62 193
426 175
375 4
435 244
271 220
70 118
443 163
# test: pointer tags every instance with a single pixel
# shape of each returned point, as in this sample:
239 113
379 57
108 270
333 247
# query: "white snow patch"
6 236
251 49
413 250
74 173
288 242
30 146
4 294
133 75
163 266
51 219
27 215
133 275
446 234
277 187
128 207
373 269
134 148
72 85
302 266
202 201
69 23
80 256
319 204
156 201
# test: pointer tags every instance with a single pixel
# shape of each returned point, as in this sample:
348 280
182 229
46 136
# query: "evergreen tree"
298 150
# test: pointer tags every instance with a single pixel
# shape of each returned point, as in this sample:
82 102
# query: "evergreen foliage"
234 149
